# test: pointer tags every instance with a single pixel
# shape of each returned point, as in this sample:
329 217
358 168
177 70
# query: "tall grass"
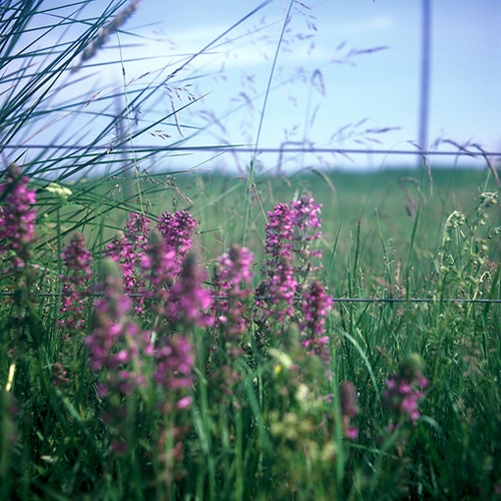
144 354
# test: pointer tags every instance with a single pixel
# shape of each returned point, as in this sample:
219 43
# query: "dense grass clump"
201 336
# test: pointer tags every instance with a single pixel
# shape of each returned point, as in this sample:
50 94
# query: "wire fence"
383 300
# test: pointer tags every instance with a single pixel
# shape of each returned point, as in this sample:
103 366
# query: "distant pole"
425 75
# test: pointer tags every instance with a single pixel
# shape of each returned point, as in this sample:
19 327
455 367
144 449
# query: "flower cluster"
290 231
78 260
173 368
307 224
17 219
315 305
116 343
279 232
128 249
349 409
232 284
177 229
402 394
158 264
188 301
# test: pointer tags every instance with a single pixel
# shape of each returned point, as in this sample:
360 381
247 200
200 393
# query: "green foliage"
267 419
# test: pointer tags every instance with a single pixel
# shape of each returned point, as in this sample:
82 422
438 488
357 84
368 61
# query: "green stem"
250 178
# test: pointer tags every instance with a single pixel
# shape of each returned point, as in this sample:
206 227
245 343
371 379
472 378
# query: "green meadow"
189 335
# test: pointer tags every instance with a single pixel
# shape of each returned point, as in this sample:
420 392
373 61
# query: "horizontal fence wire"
250 149
335 299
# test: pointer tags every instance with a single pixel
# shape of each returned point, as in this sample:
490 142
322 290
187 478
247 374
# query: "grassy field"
267 415
193 336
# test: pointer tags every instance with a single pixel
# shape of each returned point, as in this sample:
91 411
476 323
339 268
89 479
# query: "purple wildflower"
279 234
116 343
282 286
128 249
287 245
188 300
174 364
349 409
137 230
78 260
306 223
402 394
231 281
17 219
158 264
177 229
306 216
316 304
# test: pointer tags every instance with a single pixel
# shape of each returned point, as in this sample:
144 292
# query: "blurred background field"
391 209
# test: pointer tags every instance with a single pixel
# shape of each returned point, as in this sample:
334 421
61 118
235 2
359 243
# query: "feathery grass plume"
104 32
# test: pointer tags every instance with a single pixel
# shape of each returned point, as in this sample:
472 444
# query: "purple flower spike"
78 260
17 219
232 282
128 249
316 304
402 394
159 264
177 229
188 300
306 215
349 409
116 343
174 364
279 234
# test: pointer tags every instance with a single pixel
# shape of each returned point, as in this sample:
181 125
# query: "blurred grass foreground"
197 336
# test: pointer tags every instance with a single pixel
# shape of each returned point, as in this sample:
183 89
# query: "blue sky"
326 91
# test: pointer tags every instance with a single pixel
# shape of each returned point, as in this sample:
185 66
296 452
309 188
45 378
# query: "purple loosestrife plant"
128 249
307 226
17 218
315 306
349 409
117 350
290 231
174 361
279 285
17 237
279 232
177 229
232 285
188 301
158 263
116 344
78 260
404 389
